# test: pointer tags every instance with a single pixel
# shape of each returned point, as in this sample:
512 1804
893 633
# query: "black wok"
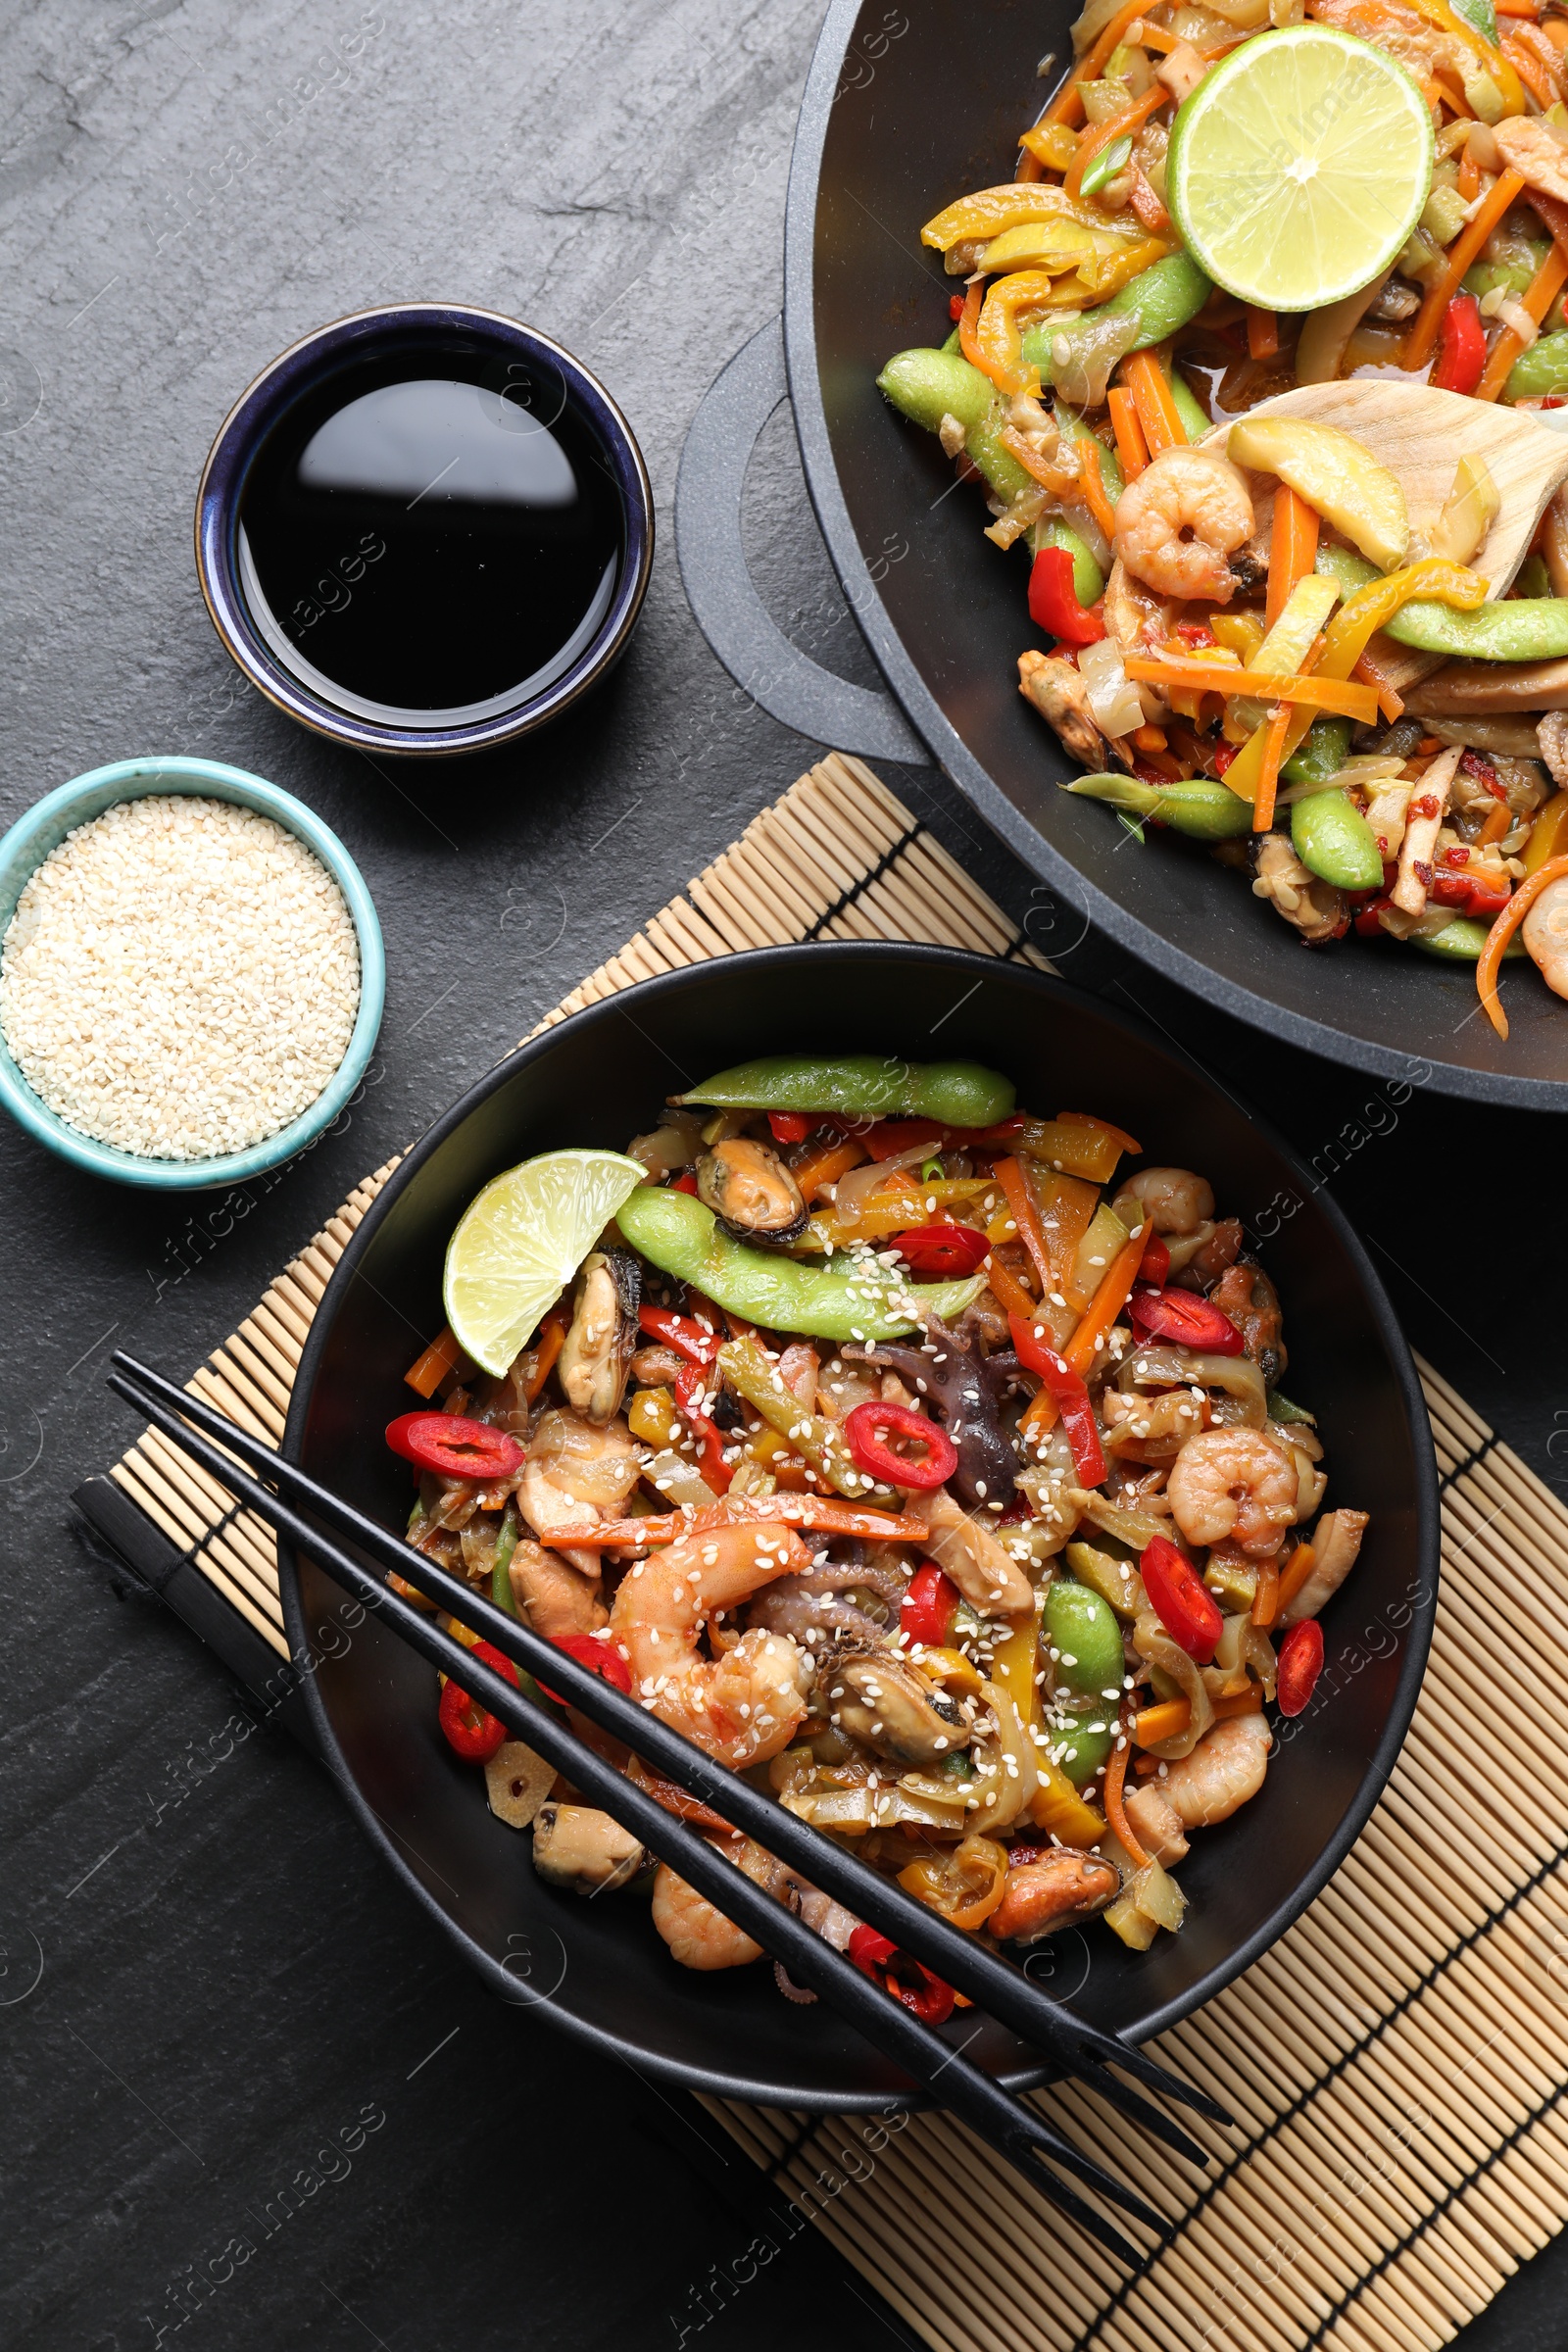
907 108
598 1969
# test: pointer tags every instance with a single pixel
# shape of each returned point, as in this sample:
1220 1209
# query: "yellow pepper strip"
1357 620
1014 1665
1049 143
1461 253
1549 835
1109 270
990 211
1487 58
995 344
1057 1808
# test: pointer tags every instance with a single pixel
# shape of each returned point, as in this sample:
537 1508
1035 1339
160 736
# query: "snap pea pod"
1088 580
1333 839
752 1375
1080 1745
1163 298
1082 1630
1204 811
1462 941
927 385
1321 755
1195 419
878 1085
1544 367
849 1301
1523 630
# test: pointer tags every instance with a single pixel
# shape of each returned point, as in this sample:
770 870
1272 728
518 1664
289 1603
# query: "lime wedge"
1298 167
520 1243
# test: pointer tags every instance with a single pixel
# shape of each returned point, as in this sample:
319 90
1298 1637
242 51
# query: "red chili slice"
926 1610
1180 1599
1301 1662
470 1729
684 1184
453 1447
690 1385
931 2000
944 1252
1182 1316
600 1658
868 1431
1154 1264
792 1126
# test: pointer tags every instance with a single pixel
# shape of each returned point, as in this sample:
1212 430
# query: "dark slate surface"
210 1992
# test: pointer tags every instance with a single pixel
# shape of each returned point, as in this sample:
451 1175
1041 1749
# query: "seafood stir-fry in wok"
1251 626
926 1460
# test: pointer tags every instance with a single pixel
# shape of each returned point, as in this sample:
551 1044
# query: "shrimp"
1530 149
1178 521
1546 935
1224 1770
1175 1199
553 1598
741 1706
576 1472
1160 1828
1233 1482
697 1935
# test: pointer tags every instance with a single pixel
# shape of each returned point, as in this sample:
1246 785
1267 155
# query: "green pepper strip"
1363 612
750 1374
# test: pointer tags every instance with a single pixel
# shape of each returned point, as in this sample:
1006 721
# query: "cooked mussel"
881 1702
580 1849
599 1348
751 1191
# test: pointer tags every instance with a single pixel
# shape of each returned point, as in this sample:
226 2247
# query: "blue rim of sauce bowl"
30 841
298 371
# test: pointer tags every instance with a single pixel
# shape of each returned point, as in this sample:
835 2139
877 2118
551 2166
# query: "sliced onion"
1156 1648
1113 699
854 1191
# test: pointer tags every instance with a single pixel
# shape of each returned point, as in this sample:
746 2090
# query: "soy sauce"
431 535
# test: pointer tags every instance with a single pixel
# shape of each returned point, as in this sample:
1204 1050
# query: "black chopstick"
962 1960
991 2112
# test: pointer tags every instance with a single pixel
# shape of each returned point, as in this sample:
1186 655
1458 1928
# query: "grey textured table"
205 1980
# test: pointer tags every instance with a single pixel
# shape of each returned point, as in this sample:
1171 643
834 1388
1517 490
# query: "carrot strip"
1516 8
1496 826
1171 1717
1104 134
1026 1217
1008 1291
1269 782
551 1341
1505 190
1115 1811
1530 70
1538 299
1109 1301
1469 177
1292 1576
1266 1599
1291 549
1131 446
1145 379
443 1355
818 1512
1504 929
1067 106
1262 334
1349 700
826 1165
1092 483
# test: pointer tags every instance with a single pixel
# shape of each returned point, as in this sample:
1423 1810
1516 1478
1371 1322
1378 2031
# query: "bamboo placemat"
1396 2061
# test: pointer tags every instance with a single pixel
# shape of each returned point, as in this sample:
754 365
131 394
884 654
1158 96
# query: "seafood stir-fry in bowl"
1007 1461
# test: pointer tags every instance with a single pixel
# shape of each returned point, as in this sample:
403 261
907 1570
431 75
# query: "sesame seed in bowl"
191 973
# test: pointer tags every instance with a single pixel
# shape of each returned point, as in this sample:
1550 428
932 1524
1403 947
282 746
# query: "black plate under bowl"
598 1969
906 109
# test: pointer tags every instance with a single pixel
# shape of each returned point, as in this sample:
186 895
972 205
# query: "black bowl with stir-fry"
906 114
597 1968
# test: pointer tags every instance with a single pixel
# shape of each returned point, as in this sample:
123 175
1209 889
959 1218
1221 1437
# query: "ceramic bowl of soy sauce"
425 530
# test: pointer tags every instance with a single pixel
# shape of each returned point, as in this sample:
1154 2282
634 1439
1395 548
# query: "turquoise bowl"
29 841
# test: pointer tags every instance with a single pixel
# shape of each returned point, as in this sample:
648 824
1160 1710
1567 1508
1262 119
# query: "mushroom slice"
751 1191
578 1847
595 1358
879 1702
518 1781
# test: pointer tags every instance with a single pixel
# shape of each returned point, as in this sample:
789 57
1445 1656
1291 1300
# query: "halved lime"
519 1244
1298 167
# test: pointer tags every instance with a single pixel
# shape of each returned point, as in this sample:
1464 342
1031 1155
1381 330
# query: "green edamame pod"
681 1237
1531 580
927 385
877 1086
1462 941
1483 278
1088 580
1081 1739
1201 810
1196 418
1544 367
1163 298
1333 838
1321 755
1523 629
1082 1630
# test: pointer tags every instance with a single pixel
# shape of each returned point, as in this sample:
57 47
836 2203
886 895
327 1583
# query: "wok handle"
788 684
